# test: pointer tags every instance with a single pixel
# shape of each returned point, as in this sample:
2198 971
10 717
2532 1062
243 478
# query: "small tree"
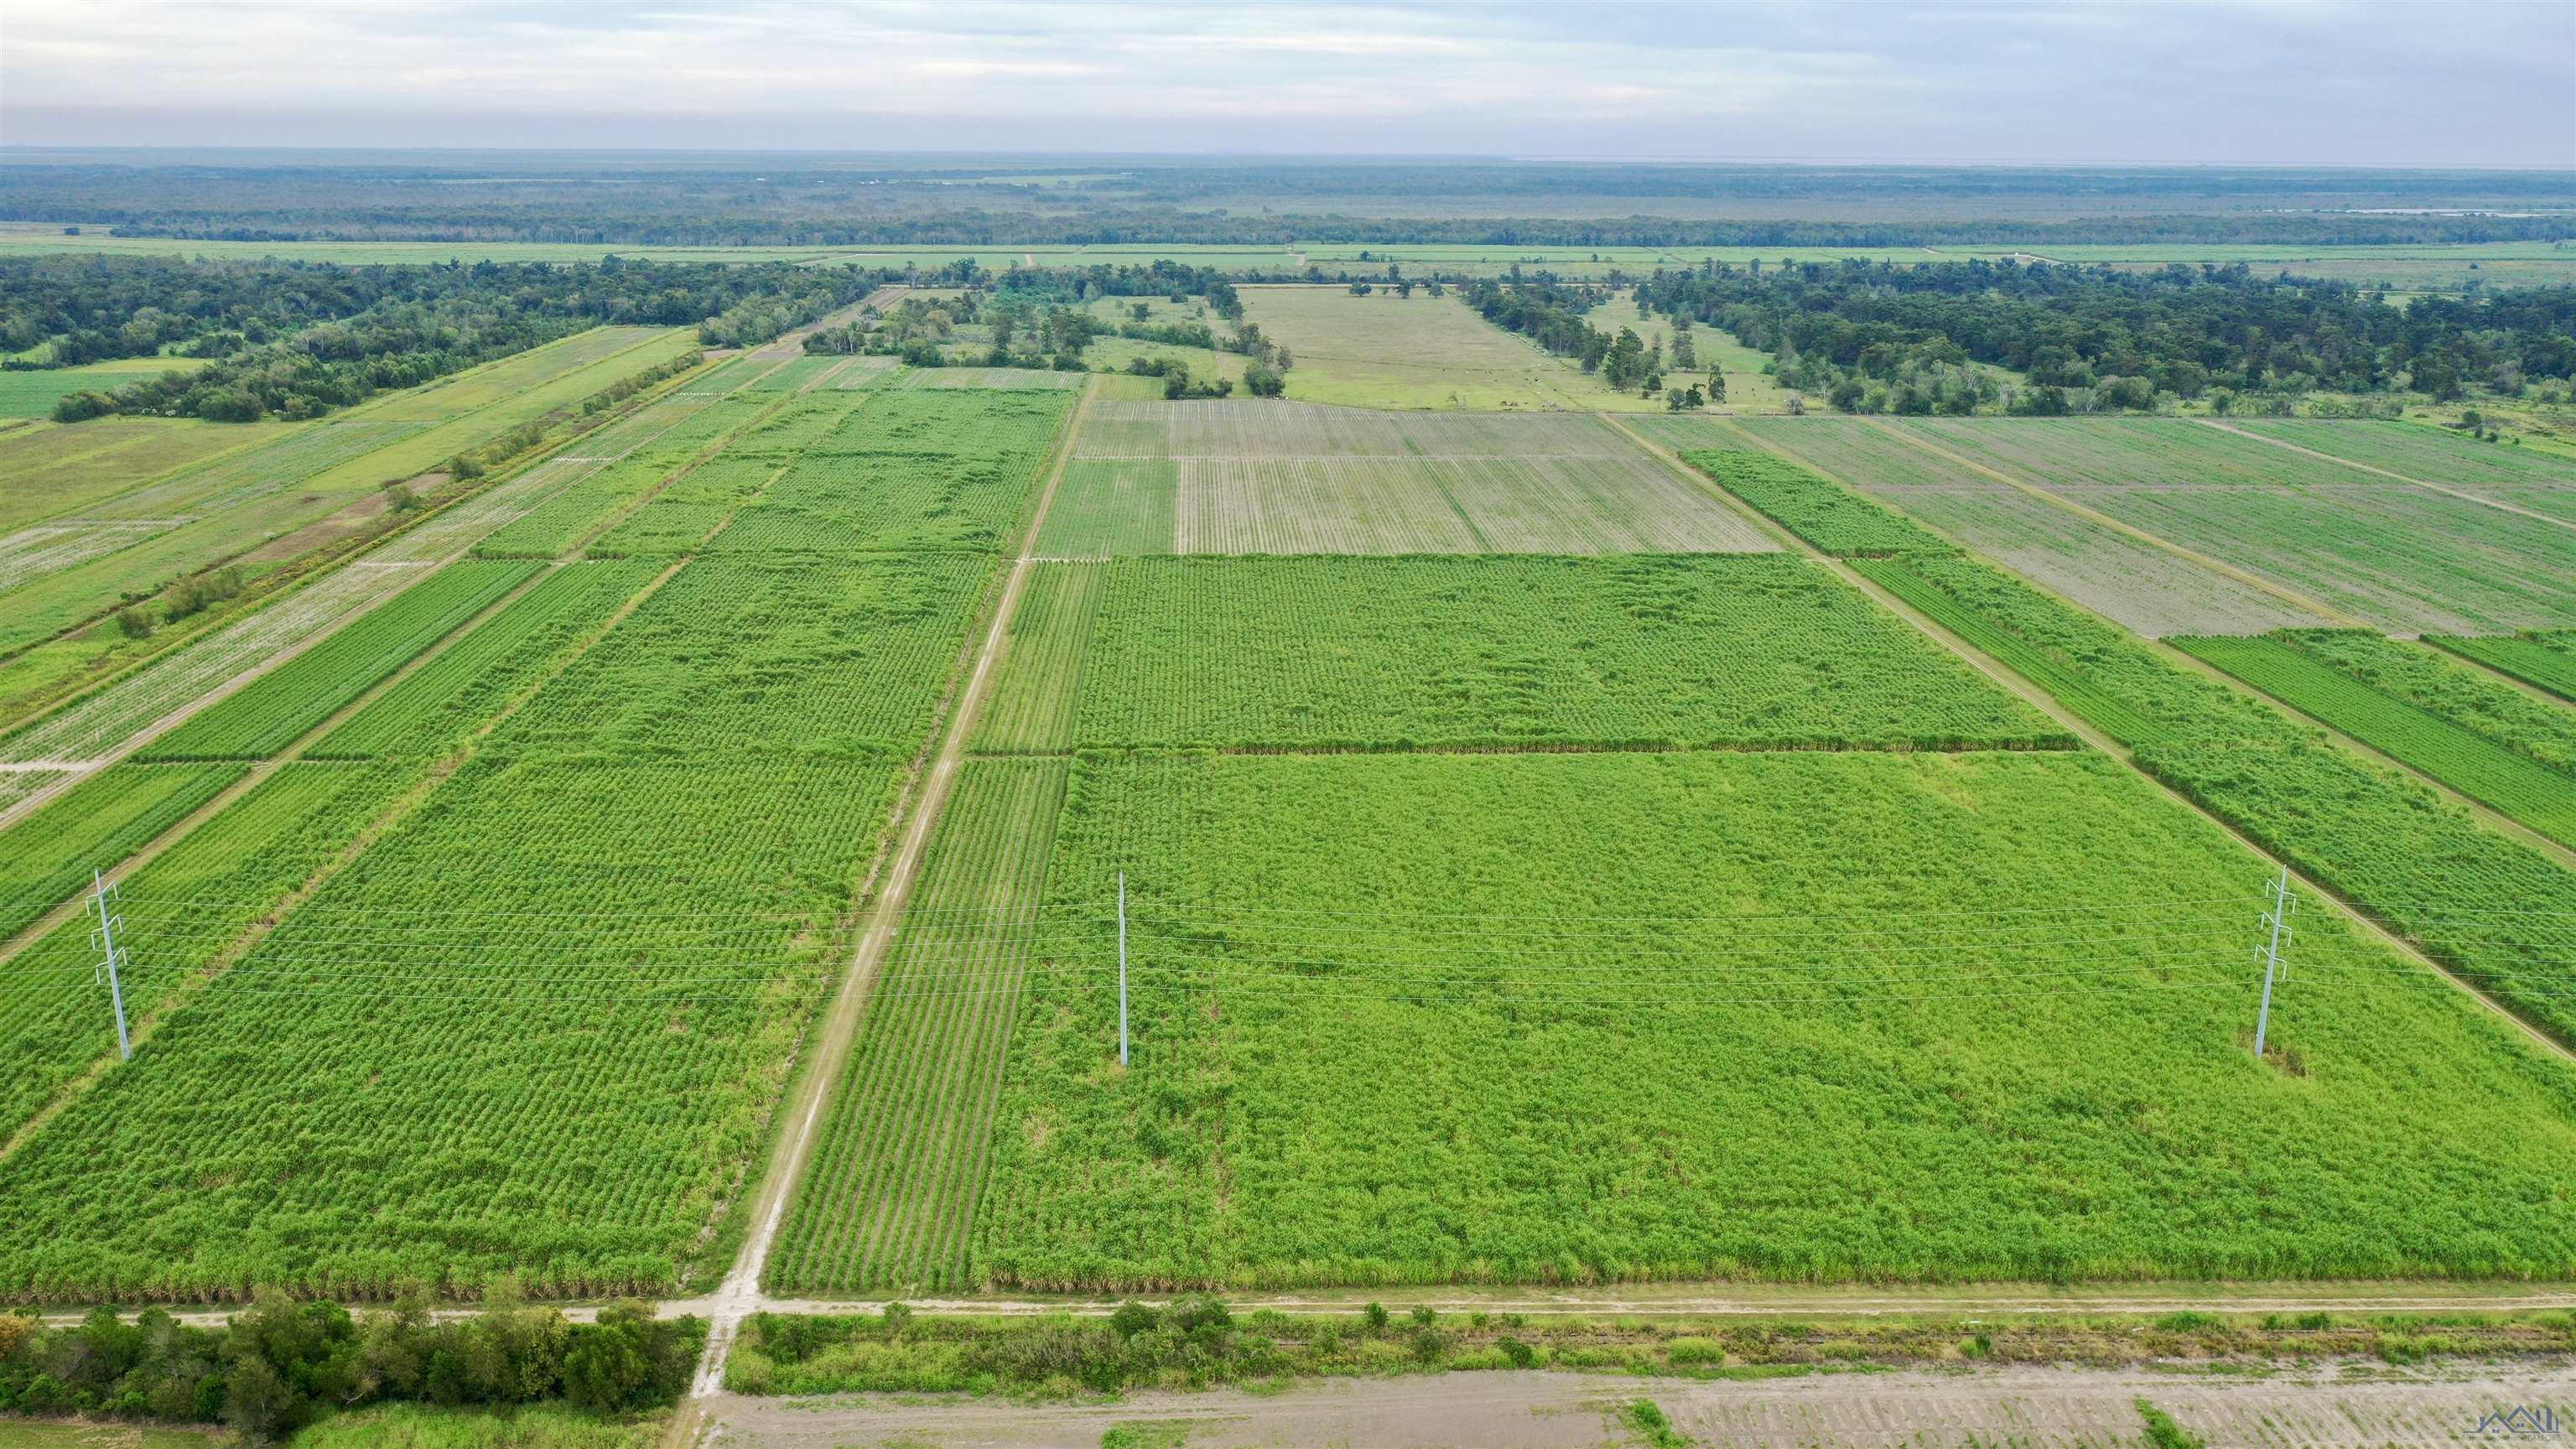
133 623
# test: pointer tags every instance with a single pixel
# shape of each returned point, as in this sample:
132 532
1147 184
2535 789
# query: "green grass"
2480 768
33 394
2521 477
50 469
1740 651
2419 865
426 1426
1594 1017
32 1434
272 711
1824 513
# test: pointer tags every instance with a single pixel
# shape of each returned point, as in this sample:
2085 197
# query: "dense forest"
299 339
1873 337
824 200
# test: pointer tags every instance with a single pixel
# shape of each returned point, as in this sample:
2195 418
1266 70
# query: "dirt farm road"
2335 1403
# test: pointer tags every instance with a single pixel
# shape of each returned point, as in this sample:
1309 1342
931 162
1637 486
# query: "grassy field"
51 469
33 394
2417 864
1387 351
2117 574
1285 478
273 505
2523 477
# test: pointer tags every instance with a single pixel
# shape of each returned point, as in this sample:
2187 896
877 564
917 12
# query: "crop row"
49 854
270 712
1439 1018
2399 556
440 704
2496 911
1752 651
537 1027
757 654
891 1191
181 911
2116 574
2540 797
2543 657
1824 513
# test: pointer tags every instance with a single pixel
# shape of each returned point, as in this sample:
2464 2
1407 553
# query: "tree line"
296 340
1873 336
778 201
281 1363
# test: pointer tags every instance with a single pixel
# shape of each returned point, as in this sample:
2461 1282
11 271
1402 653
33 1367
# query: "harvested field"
1250 478
2120 577
2522 477
2393 555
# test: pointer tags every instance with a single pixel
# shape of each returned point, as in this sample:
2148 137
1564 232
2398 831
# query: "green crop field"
2330 683
33 394
2542 657
1444 1018
1833 518
1538 849
1738 651
662 789
2417 864
52 469
1252 477
292 699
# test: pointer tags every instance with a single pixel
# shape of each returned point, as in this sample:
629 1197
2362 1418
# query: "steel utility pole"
1122 968
2278 918
109 960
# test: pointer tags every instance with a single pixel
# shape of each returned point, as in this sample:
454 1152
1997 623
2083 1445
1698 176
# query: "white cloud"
2279 80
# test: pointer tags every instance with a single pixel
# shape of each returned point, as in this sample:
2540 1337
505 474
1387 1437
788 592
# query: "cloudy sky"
2255 81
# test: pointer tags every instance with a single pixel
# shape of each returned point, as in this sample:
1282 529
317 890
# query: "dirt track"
2330 1404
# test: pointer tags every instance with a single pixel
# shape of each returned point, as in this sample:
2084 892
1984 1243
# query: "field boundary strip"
263 768
2465 497
411 798
740 1291
2084 730
2280 591
2494 816
298 588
